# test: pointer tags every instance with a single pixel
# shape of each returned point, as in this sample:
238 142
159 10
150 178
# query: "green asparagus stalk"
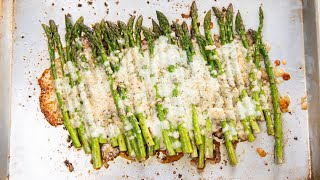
130 151
165 133
188 40
130 31
183 40
137 143
196 127
253 123
124 33
150 38
229 23
229 146
209 147
241 30
122 143
145 131
97 42
95 144
156 29
246 127
165 27
276 108
201 158
57 41
83 139
51 46
258 38
257 59
96 154
138 28
194 153
114 142
156 146
221 23
200 39
212 55
185 139
137 133
69 57
108 36
173 139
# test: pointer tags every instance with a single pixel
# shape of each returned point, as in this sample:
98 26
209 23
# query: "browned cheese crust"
48 100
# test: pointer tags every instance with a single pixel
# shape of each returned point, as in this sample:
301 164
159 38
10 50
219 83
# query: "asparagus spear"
188 39
194 153
124 33
174 139
185 139
165 133
208 140
221 23
150 38
253 123
200 39
109 37
81 130
165 27
196 127
229 23
276 107
137 143
201 157
137 133
138 33
211 55
51 46
130 30
241 30
156 29
97 42
255 94
257 59
183 40
229 146
95 142
219 14
145 131
96 155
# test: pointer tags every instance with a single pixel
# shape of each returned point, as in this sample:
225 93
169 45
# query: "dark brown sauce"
168 159
216 159
126 156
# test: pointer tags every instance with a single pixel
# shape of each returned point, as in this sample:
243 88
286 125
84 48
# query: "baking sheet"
37 150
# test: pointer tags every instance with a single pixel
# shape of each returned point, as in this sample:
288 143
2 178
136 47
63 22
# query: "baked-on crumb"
261 152
284 103
304 103
69 165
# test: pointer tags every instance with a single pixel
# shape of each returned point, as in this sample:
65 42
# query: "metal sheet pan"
37 150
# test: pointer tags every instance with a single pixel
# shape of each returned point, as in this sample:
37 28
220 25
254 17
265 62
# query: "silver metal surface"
6 19
37 150
312 52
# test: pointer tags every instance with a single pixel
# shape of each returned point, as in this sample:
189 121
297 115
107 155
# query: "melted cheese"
179 85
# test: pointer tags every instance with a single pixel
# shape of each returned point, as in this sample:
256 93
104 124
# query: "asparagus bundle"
163 90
